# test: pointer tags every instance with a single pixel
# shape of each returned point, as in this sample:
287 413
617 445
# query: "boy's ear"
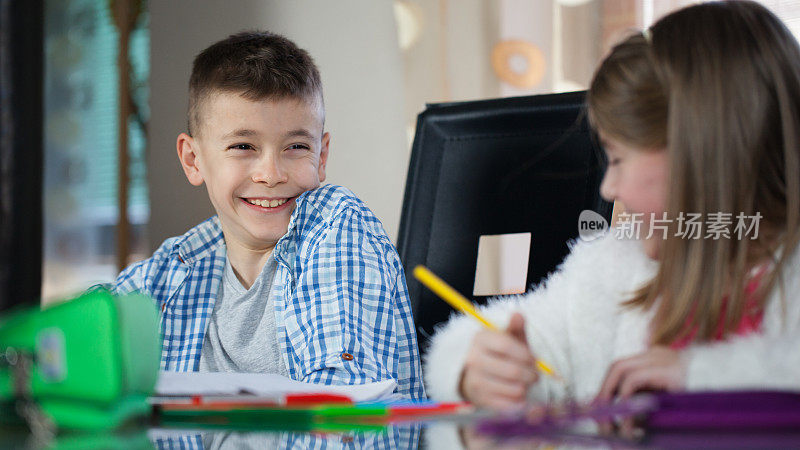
188 155
323 155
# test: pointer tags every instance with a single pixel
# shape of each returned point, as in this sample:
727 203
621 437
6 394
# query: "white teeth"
268 203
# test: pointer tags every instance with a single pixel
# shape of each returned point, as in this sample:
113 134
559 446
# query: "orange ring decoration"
503 51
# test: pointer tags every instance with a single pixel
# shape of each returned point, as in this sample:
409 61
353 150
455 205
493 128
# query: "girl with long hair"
699 117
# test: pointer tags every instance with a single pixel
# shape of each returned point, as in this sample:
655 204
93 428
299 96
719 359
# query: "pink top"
751 320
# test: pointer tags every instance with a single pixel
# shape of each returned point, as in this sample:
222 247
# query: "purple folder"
703 412
726 410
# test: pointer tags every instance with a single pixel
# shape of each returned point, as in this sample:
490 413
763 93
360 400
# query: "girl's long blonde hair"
718 86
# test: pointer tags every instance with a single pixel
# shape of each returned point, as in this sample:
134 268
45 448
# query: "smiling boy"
288 277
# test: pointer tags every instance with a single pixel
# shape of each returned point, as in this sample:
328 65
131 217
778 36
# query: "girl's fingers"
495 382
638 380
516 327
536 413
504 345
629 430
503 404
499 368
658 368
618 372
609 386
516 392
490 393
505 369
658 377
605 428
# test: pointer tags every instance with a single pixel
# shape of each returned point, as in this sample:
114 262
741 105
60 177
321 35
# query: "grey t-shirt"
241 335
234 440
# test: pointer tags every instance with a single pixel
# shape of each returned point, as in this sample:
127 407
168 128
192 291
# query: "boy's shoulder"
159 275
201 240
331 204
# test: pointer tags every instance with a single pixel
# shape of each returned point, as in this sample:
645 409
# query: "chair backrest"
512 165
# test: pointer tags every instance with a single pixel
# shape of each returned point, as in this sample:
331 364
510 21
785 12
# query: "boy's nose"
269 172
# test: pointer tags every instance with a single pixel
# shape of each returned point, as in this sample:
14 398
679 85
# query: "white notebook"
262 385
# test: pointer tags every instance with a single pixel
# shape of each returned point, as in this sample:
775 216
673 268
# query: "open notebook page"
261 384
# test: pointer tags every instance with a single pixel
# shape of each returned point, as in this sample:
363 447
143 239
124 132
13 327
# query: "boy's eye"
241 147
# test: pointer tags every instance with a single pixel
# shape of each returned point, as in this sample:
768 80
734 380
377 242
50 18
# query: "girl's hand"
659 368
499 368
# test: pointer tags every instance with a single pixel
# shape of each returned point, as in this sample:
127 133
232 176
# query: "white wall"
354 43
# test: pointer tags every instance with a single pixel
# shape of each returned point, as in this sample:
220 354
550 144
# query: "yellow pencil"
459 302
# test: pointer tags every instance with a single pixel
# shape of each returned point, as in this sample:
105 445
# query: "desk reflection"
438 435
392 437
468 438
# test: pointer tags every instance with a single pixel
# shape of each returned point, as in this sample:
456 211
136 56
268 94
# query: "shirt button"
347 356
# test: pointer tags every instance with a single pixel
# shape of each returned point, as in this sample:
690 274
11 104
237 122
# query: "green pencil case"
88 363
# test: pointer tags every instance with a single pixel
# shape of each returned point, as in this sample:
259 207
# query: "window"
81 144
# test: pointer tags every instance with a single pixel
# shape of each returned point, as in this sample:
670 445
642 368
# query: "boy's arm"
410 383
365 329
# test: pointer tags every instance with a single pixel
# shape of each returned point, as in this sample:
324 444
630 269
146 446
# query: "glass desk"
441 434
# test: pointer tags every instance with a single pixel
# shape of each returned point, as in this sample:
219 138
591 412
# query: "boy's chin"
268 238
261 243
257 237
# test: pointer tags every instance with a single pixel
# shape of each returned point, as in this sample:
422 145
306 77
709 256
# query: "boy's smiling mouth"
265 203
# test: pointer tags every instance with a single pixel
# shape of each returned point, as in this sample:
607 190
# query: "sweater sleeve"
549 311
750 362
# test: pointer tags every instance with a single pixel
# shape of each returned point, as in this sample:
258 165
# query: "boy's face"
255 158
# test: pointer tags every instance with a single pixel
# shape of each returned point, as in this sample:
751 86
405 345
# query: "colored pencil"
460 303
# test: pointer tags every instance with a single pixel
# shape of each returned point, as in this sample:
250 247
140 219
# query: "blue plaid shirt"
342 310
398 436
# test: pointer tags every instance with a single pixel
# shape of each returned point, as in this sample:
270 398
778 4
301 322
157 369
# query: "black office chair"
512 165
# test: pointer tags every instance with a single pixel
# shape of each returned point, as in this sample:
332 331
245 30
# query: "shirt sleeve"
136 277
130 280
354 284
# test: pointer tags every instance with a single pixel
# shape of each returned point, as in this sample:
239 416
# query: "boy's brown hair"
257 64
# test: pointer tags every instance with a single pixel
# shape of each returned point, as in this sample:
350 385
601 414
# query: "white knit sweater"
575 323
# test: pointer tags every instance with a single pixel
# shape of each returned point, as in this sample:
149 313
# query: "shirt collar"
201 241
206 238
